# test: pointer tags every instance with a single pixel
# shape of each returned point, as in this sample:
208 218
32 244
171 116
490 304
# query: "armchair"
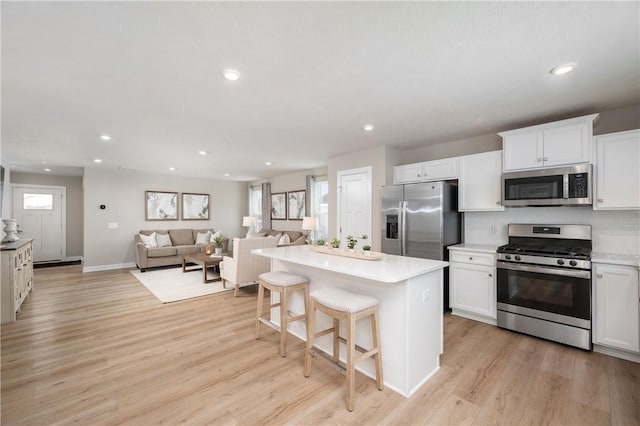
244 268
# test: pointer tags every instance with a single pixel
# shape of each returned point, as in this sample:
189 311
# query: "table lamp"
248 221
310 223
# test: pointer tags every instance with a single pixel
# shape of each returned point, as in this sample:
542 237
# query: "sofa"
183 241
295 237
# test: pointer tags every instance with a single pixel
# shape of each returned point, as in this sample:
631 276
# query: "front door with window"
40 213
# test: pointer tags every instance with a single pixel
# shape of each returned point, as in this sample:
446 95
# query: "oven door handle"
542 270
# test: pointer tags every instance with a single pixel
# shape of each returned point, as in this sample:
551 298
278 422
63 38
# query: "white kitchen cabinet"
617 181
427 171
549 145
616 307
472 285
480 182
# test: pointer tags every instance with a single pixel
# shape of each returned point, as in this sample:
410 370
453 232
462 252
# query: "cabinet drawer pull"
539 159
600 200
490 275
599 275
498 203
546 158
470 258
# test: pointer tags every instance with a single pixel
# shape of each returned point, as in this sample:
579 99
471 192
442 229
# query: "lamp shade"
309 223
248 220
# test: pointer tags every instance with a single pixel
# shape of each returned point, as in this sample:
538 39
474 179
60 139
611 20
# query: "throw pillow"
149 240
256 234
203 238
163 240
277 237
284 240
215 235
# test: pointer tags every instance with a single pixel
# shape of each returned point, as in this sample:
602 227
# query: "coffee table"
204 262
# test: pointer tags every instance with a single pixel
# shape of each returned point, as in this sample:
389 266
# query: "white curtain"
266 205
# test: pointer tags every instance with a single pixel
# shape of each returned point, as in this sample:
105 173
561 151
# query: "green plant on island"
366 248
320 242
335 243
351 242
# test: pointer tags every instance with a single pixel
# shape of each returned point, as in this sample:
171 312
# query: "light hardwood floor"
99 349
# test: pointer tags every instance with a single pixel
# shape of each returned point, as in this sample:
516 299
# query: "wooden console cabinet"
17 276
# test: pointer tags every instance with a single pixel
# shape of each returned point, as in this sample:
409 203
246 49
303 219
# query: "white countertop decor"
391 269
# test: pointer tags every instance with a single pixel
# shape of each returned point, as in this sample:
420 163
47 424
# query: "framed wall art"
195 206
161 205
296 201
279 206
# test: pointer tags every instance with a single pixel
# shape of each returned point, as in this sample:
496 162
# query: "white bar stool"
340 304
282 283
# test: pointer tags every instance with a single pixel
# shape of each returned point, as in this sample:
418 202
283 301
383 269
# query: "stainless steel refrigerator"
421 220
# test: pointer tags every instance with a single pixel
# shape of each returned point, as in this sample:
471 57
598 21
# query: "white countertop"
485 248
391 269
616 259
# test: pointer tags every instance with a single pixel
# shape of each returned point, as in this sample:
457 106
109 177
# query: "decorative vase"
208 249
367 252
11 229
218 251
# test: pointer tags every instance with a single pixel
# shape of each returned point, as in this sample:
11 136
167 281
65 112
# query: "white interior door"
354 205
40 212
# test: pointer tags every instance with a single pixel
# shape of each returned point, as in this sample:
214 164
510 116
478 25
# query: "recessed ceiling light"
43 162
47 170
368 127
227 174
232 75
97 160
268 163
563 69
172 168
202 152
105 137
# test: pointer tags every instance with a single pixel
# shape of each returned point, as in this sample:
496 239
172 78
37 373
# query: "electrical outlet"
426 295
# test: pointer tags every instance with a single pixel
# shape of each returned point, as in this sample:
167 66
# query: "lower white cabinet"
17 277
472 285
616 307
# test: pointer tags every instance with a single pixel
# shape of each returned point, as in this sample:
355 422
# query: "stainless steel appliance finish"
544 282
557 186
421 220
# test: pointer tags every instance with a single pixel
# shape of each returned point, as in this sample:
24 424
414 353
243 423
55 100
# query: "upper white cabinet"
444 169
617 171
616 310
480 180
548 145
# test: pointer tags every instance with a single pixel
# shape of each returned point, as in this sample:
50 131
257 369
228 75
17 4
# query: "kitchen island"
410 294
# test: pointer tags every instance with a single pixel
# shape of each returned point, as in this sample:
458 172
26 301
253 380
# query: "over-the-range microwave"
557 186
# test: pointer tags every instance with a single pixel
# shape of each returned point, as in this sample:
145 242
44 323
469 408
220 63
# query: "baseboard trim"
617 353
108 267
73 259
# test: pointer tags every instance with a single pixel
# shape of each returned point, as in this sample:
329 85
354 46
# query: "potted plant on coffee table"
219 242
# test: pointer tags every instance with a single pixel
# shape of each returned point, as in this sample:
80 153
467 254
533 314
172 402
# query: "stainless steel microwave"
558 186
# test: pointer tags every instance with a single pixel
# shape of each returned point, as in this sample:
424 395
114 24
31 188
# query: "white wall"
612 231
123 192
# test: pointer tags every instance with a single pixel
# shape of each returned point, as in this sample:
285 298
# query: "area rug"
171 285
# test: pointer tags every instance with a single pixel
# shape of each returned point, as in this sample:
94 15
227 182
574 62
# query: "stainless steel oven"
544 282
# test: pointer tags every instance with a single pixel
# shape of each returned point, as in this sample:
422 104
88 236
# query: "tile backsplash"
612 231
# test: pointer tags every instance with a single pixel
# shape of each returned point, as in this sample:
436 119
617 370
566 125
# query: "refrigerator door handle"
403 227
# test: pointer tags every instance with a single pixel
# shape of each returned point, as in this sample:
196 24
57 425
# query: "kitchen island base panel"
410 323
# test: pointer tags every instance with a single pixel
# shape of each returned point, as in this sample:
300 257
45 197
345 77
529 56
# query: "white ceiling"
150 75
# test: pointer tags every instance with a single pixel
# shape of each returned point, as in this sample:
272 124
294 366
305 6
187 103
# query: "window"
255 206
320 206
37 201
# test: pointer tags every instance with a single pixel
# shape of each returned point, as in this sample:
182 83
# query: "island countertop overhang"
390 269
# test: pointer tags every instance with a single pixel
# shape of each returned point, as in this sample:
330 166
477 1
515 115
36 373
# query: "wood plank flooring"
99 349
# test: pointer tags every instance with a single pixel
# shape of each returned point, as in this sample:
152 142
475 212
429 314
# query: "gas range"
564 246
544 282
